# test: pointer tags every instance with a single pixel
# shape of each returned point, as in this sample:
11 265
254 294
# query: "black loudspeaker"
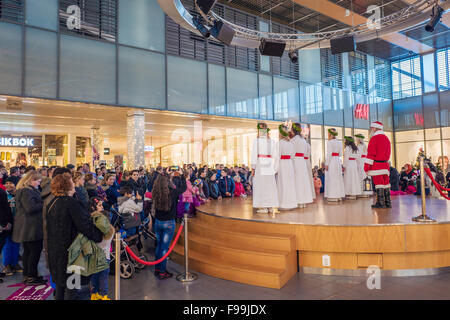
222 32
272 48
205 5
344 44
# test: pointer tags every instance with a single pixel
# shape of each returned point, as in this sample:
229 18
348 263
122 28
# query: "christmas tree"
420 155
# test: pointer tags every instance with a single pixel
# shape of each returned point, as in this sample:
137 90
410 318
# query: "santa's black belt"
380 161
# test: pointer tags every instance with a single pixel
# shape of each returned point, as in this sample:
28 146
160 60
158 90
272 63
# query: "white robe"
302 180
362 151
265 192
352 179
286 176
334 182
308 164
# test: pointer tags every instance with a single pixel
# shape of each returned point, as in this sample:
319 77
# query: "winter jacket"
130 211
81 195
112 194
214 191
91 190
86 253
394 179
28 225
180 186
66 218
5 211
239 189
187 195
226 184
47 196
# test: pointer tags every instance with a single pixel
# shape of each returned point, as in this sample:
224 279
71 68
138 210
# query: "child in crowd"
99 281
226 185
187 196
239 190
214 192
317 183
199 197
130 208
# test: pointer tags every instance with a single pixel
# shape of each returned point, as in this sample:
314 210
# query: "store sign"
418 118
106 151
16 142
362 111
149 148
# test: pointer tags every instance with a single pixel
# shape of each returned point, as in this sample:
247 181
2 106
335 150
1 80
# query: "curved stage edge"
228 240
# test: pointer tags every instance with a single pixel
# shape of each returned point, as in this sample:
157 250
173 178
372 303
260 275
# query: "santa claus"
377 164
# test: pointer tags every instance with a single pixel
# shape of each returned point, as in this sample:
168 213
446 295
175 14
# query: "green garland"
360 136
259 128
296 128
349 139
334 133
282 132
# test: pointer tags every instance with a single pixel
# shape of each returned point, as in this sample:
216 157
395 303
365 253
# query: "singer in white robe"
285 175
352 181
309 166
302 180
264 154
362 153
334 181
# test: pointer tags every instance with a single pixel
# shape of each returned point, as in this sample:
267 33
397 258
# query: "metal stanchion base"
422 218
187 277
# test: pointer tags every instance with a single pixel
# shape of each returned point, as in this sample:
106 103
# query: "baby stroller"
128 266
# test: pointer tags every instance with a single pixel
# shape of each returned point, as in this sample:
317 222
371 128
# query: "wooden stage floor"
347 213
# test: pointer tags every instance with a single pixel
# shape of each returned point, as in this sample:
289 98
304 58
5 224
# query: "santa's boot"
380 199
387 197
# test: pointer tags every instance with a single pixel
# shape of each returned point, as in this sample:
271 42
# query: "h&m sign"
362 111
16 142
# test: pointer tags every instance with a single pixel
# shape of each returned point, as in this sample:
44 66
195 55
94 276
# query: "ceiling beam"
340 14
445 17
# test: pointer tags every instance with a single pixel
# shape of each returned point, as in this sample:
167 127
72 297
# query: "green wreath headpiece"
333 132
298 129
282 132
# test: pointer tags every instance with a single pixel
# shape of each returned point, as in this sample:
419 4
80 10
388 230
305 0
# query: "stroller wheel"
140 265
126 269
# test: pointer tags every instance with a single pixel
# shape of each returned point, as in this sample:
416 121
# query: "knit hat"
360 136
333 132
11 179
377 124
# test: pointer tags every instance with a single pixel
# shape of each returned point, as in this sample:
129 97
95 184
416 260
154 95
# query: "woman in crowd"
66 217
28 227
91 185
165 198
352 178
81 193
214 192
406 177
111 191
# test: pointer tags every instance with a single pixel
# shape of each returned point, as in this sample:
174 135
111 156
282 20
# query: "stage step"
256 258
242 240
221 268
223 250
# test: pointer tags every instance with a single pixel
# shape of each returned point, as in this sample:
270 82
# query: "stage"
229 240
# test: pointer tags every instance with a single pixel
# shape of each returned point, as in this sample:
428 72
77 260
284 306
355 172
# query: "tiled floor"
302 286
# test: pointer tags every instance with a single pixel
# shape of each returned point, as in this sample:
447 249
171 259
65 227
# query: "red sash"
335 154
285 157
363 156
264 156
299 154
351 158
306 158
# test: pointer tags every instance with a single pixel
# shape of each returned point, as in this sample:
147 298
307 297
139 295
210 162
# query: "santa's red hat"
377 124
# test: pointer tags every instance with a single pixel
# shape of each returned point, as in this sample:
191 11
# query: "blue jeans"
99 282
164 231
186 207
10 252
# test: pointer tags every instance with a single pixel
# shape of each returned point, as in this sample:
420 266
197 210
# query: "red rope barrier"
148 263
437 185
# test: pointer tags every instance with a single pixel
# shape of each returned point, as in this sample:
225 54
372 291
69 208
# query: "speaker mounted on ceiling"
343 44
222 32
272 48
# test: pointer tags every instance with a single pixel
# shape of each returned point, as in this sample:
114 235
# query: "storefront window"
54 150
20 150
83 153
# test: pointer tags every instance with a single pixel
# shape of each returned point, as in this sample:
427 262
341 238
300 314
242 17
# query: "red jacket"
379 150
238 189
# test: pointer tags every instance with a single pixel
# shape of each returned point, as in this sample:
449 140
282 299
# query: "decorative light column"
96 146
135 139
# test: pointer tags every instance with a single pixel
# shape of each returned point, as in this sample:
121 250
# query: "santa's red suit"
377 164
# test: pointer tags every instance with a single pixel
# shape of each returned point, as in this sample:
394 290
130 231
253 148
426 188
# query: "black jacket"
28 219
5 210
180 187
66 217
394 179
213 187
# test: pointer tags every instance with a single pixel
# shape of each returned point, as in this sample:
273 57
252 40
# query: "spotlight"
293 56
201 28
435 18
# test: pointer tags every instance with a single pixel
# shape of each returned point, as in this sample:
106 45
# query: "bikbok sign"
362 111
16 142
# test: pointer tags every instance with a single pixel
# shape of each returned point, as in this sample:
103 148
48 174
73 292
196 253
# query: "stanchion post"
423 217
117 275
186 276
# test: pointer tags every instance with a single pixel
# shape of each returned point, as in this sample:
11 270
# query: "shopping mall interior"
148 83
